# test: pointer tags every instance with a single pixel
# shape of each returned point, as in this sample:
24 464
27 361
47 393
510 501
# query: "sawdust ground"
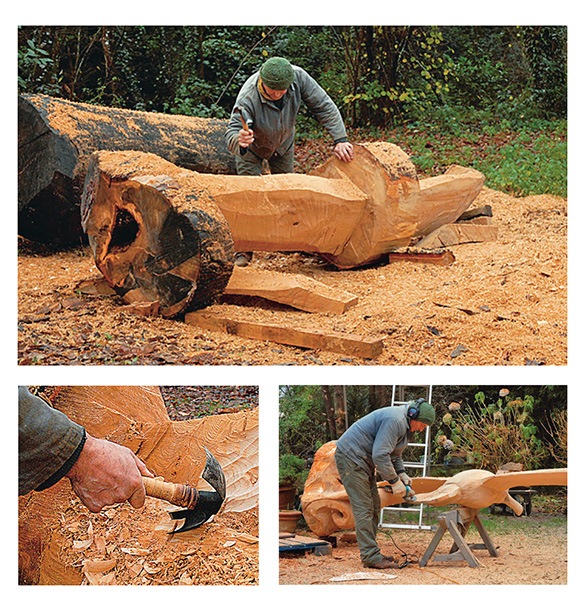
500 303
530 553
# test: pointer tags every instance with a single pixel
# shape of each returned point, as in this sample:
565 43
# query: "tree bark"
329 410
339 400
56 138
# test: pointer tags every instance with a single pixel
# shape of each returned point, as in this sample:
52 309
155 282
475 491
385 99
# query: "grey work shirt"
274 128
378 440
48 443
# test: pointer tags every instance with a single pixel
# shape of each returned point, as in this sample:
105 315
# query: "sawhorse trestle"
457 523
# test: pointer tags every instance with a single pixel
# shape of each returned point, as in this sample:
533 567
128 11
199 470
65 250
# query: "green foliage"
539 168
519 158
491 432
301 430
377 75
34 69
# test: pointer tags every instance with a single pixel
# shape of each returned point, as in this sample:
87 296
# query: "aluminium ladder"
422 464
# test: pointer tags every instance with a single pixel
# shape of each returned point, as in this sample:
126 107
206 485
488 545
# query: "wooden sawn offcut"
136 417
326 506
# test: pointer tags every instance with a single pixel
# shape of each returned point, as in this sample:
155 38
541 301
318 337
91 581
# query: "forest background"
492 98
481 427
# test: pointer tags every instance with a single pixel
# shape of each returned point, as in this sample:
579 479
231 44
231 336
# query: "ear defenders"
414 409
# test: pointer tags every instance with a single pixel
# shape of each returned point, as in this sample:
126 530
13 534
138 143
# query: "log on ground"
56 138
148 251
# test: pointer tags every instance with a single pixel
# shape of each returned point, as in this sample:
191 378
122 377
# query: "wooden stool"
457 522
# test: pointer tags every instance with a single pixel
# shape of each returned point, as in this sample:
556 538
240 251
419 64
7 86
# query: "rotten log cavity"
56 138
148 251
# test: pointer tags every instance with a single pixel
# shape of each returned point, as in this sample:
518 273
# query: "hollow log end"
146 249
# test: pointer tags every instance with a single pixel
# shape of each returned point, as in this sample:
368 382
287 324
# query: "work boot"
383 564
243 259
389 557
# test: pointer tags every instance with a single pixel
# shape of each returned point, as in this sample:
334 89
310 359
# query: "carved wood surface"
159 231
136 417
326 506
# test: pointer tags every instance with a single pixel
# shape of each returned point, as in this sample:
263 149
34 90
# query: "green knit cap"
426 413
277 73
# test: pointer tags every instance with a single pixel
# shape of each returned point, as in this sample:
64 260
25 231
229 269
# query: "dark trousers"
250 164
361 488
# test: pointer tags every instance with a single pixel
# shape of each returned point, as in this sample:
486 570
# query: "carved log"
56 138
146 218
326 507
399 207
136 417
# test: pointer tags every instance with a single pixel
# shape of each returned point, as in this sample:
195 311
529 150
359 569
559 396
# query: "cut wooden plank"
473 213
452 234
298 291
422 255
354 345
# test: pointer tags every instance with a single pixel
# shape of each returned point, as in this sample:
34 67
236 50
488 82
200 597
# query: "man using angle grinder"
373 444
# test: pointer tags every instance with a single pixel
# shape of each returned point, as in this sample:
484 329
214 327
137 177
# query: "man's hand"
343 151
398 488
406 480
106 473
245 138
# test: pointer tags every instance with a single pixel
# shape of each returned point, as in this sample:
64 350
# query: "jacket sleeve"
385 455
321 105
232 132
48 443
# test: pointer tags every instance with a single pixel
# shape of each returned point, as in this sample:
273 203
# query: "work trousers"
250 164
361 488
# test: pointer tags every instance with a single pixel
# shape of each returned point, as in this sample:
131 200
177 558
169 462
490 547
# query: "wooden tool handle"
244 124
175 493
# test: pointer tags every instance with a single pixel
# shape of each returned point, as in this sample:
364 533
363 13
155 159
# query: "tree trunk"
56 138
164 234
329 410
339 400
134 417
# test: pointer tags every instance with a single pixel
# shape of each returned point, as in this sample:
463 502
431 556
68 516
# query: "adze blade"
208 503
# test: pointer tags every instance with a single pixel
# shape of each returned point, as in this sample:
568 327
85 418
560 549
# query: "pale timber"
298 291
166 234
351 344
326 506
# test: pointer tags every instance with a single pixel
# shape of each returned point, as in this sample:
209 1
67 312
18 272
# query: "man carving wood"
373 444
262 123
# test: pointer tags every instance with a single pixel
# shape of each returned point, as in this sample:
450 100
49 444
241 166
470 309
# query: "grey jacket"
378 440
274 128
49 443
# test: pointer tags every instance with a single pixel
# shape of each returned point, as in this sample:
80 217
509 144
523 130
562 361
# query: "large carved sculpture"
161 233
326 507
135 417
